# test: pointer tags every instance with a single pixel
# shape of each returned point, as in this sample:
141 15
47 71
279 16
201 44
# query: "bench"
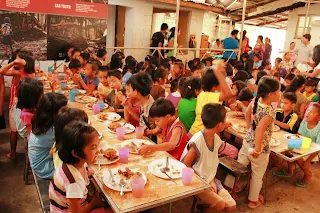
42 186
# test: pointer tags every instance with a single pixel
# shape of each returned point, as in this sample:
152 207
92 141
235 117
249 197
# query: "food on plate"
126 173
103 116
110 154
133 148
236 114
113 126
85 98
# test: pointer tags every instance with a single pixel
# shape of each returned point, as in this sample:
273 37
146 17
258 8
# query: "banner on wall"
47 28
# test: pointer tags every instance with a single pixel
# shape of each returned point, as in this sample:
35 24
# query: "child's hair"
195 67
115 73
254 69
229 69
162 107
209 80
292 97
240 76
293 69
74 64
29 67
141 82
245 95
116 61
260 74
181 82
289 76
64 116
94 65
266 86
103 69
278 60
85 56
29 92
277 74
212 114
245 55
311 82
130 64
75 50
190 86
47 109
159 74
238 66
140 66
191 63
101 52
296 83
240 85
165 63
174 85
74 137
210 59
180 64
257 55
151 69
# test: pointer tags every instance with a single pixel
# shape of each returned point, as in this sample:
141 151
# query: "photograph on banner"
88 34
22 30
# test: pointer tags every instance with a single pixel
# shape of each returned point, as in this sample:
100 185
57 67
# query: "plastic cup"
120 132
139 132
101 106
50 69
187 174
96 109
294 143
63 86
72 96
123 154
66 77
54 76
137 185
50 74
306 142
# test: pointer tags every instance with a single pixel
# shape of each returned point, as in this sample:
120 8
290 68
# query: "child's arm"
89 88
226 91
248 116
282 125
154 131
75 205
190 157
260 130
6 70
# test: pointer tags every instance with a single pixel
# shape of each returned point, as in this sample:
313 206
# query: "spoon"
122 184
113 182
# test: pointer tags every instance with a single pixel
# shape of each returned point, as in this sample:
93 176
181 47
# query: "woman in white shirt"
316 64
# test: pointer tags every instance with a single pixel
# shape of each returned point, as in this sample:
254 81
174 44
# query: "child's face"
296 72
234 90
91 150
287 82
275 96
286 105
76 55
310 89
313 115
103 78
89 72
287 57
208 63
162 121
244 59
197 73
114 83
176 69
254 74
256 59
268 67
131 94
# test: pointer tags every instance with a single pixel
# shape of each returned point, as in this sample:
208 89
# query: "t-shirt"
312 98
104 90
40 160
207 161
230 43
203 99
157 38
187 112
310 133
157 91
292 120
174 98
257 64
304 53
95 81
300 100
144 112
125 78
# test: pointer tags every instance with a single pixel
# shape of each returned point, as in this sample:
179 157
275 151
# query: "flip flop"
9 156
301 184
253 205
281 173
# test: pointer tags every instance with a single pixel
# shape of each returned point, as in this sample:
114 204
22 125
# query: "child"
197 70
309 91
84 58
209 61
236 88
286 64
103 87
101 55
240 76
257 62
90 82
288 78
173 132
75 53
229 72
244 98
178 71
266 66
68 58
129 68
254 75
212 81
74 71
115 83
188 102
176 88
286 119
42 137
201 154
78 147
133 105
159 79
254 89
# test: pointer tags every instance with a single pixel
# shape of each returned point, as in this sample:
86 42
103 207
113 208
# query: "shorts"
212 198
12 123
7 40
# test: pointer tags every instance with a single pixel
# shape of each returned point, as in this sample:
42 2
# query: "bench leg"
234 186
194 204
26 165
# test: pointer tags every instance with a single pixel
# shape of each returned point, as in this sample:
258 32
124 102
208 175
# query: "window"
300 27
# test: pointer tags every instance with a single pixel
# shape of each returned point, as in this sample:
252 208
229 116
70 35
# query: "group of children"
186 122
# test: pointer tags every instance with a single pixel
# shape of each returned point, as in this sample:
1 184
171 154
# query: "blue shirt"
125 78
95 81
230 43
40 159
310 133
257 64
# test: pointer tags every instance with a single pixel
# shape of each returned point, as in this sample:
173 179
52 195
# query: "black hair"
190 86
164 26
291 96
260 74
311 82
64 116
234 32
296 83
212 114
47 109
245 95
278 60
139 66
245 55
266 86
141 82
75 50
174 85
29 67
74 137
162 107
195 67
74 64
181 82
238 66
159 74
115 73
67 59
95 66
172 35
240 85
85 56
257 55
307 36
316 54
29 92
196 61
131 64
209 80
229 69
151 70
173 59
210 59
277 74
240 76
116 61
103 69
289 76
191 63
101 52
165 63
292 42
260 37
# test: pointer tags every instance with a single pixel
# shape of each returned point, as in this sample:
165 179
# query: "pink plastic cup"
96 109
139 132
50 74
66 77
137 185
123 154
187 174
120 132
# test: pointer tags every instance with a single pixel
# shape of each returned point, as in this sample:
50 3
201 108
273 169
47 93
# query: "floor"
283 196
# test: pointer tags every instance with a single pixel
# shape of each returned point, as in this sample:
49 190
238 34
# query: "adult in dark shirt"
267 50
247 63
157 39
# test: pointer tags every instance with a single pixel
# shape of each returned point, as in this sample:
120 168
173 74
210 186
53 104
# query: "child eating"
115 80
90 82
309 90
243 100
103 87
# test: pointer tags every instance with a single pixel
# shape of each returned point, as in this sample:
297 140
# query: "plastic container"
124 155
96 109
137 185
120 132
187 174
101 106
72 95
50 69
139 132
63 86
306 143
294 143
61 77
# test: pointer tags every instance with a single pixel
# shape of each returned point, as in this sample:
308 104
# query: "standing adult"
217 45
316 64
245 42
259 48
231 43
305 50
292 52
157 39
171 40
267 50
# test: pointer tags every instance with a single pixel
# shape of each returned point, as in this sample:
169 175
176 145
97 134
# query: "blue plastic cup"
72 96
294 143
101 106
63 86
61 77
50 69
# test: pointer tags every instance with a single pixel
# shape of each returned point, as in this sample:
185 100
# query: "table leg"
170 207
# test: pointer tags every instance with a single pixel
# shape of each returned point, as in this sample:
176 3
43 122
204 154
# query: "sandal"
281 173
10 157
301 184
253 205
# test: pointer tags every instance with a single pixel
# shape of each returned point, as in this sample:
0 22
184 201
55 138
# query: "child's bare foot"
10 156
255 204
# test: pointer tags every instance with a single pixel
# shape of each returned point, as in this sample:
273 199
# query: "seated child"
229 72
286 119
128 70
236 87
159 79
178 71
74 70
240 76
257 62
90 81
132 104
309 90
288 78
42 136
201 154
254 75
175 89
68 189
244 98
209 61
115 83
173 131
103 87
84 58
197 70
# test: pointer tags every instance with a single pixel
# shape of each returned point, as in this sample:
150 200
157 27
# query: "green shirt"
187 111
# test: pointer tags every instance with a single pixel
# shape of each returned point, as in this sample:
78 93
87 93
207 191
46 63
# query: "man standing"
231 43
267 50
157 40
305 50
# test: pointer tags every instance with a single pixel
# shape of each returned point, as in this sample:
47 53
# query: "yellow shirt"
104 90
56 160
203 99
309 97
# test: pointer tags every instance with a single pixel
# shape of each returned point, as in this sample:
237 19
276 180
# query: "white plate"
290 136
235 114
100 134
275 128
174 166
90 107
111 116
129 128
107 180
105 161
239 128
274 142
85 99
138 142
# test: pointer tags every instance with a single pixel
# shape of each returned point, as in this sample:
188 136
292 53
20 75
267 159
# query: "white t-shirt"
318 76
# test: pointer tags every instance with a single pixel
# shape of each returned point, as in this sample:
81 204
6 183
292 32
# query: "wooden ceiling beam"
249 8
272 21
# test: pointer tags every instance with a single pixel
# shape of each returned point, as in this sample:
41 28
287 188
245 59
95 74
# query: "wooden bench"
42 186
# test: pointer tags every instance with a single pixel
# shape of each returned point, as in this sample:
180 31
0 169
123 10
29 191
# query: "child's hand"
95 93
77 77
20 62
145 149
112 109
227 125
214 186
121 98
53 84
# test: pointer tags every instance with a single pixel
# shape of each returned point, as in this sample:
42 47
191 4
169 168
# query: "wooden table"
157 191
279 135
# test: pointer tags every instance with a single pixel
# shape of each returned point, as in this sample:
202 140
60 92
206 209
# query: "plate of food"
107 116
175 168
274 142
235 114
291 136
127 174
275 128
82 92
129 128
107 156
100 134
134 144
85 99
90 105
240 128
